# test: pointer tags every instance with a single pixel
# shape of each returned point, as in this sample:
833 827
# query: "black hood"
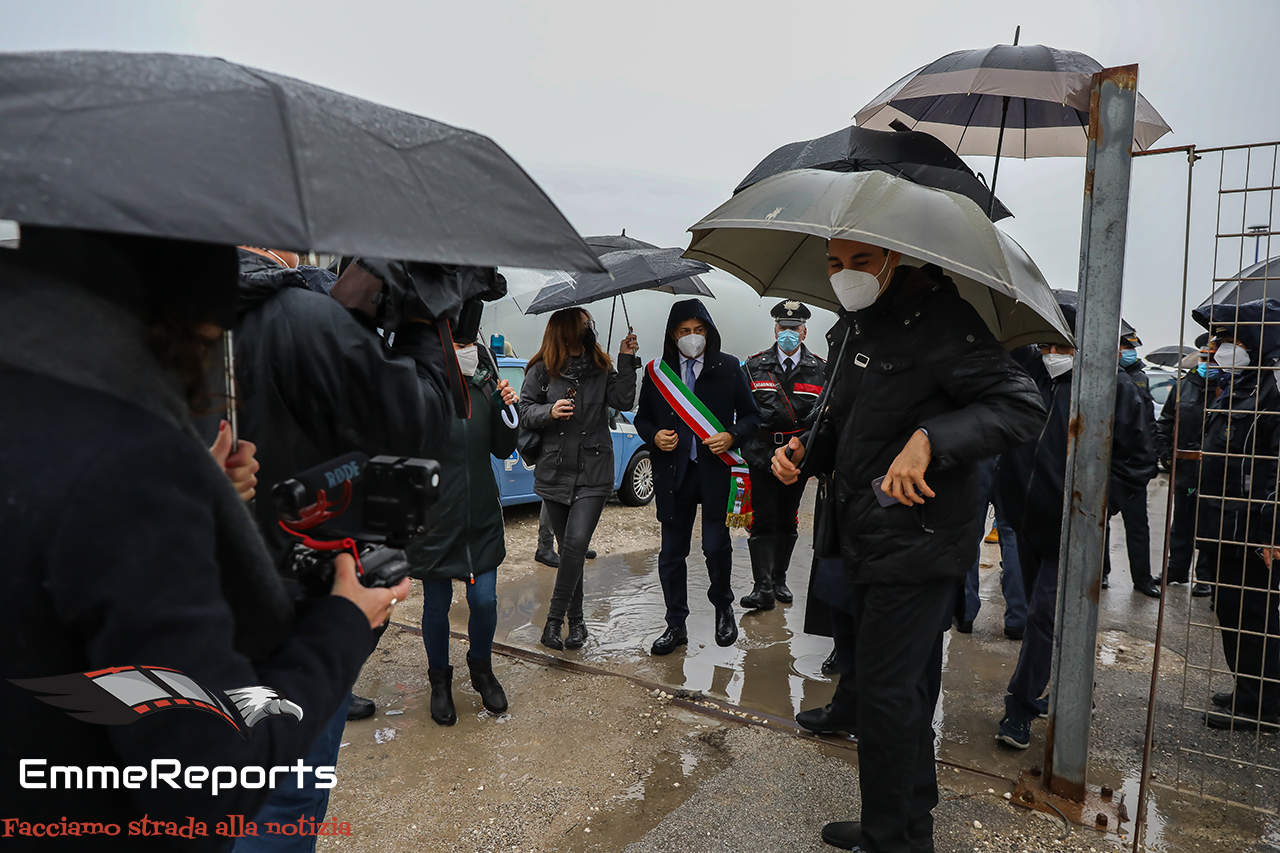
1245 323
689 309
261 277
186 278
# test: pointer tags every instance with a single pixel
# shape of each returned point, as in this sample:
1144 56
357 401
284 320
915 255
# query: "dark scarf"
55 329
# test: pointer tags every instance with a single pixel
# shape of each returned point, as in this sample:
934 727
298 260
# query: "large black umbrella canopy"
1259 281
628 270
1171 355
202 149
913 155
960 98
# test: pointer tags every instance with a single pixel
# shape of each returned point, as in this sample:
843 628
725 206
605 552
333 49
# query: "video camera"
395 499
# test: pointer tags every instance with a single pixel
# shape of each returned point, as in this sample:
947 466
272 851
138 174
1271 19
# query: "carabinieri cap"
789 312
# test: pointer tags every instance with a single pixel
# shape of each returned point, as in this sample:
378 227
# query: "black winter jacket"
931 363
1138 375
1185 413
467 539
317 381
110 559
1238 464
1031 476
785 402
577 452
722 387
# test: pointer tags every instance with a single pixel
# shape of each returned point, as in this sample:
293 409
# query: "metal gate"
1217 658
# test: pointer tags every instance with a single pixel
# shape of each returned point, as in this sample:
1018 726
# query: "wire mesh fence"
1214 727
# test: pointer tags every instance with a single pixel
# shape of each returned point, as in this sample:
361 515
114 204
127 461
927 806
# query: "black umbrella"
199 148
913 155
1170 356
643 267
1259 281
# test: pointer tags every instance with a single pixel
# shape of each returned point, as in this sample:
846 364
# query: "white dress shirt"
788 362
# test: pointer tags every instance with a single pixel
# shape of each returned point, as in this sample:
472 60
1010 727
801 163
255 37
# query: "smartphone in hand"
882 497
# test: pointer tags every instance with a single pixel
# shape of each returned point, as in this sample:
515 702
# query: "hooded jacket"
577 451
316 381
1238 464
919 357
125 544
467 539
723 388
1031 476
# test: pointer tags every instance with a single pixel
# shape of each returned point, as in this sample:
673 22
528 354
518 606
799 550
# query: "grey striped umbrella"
960 99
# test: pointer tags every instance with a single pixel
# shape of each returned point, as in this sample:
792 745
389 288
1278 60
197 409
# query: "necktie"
689 379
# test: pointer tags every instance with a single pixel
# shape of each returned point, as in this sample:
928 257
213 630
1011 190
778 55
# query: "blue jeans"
482 600
288 802
1015 596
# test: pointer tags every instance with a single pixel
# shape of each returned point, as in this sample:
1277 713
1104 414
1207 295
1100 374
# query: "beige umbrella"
773 236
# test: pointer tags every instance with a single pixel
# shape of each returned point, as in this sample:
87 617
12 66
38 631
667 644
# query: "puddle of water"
671 780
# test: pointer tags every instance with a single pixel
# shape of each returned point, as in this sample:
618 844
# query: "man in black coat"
1236 525
918 386
317 381
1030 485
1183 414
1133 511
126 545
689 472
786 380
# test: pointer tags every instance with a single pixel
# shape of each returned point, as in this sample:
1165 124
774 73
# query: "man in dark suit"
689 472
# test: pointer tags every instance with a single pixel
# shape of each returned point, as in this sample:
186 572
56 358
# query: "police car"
633 470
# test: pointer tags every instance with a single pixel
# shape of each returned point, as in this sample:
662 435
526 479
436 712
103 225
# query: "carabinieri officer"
786 380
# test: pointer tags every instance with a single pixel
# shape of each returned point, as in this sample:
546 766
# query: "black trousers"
1035 657
677 535
1182 536
1137 538
774 504
1247 603
891 652
573 525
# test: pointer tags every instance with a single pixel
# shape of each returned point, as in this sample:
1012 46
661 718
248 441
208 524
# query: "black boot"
442 710
830 665
577 633
761 597
551 634
782 562
483 680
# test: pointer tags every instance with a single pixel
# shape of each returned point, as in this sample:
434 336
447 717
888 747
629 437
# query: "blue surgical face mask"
1204 370
1128 357
789 340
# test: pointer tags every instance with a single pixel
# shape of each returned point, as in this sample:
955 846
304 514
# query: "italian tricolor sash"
704 425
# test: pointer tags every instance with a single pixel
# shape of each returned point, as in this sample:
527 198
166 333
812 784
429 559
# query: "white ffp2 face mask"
1231 357
1057 363
856 289
468 360
692 345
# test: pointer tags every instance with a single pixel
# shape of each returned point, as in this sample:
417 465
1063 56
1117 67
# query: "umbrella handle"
229 369
510 416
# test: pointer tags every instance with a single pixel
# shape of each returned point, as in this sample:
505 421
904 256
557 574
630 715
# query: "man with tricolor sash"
695 408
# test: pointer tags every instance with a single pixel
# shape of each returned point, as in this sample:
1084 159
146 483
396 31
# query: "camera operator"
127 543
318 381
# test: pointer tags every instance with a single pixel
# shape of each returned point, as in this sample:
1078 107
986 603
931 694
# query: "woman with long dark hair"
568 388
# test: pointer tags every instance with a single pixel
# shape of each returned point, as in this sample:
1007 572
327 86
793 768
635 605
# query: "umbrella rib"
277 95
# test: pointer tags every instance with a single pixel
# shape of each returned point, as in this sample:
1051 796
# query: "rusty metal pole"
1093 388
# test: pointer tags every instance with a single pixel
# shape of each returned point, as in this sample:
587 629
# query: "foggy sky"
645 116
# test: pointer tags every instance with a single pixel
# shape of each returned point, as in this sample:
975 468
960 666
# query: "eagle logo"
122 695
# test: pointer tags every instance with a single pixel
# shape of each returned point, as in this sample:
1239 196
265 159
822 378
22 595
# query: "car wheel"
637 481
